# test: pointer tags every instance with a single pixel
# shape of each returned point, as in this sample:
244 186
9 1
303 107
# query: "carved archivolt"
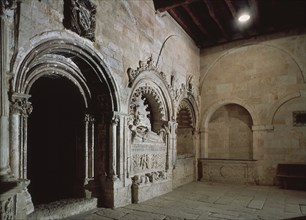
184 105
145 91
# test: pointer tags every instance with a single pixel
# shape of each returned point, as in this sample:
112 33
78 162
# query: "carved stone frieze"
20 105
80 17
147 161
149 178
8 209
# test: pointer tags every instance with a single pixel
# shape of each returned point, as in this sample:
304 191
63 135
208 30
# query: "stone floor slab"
215 201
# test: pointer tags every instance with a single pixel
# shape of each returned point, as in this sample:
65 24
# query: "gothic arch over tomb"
186 127
186 142
151 132
66 58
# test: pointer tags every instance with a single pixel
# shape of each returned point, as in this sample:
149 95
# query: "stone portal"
55 141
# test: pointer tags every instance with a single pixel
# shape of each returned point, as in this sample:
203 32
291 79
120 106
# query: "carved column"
19 111
172 141
113 146
89 148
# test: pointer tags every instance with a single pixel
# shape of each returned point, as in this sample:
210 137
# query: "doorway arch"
67 58
55 137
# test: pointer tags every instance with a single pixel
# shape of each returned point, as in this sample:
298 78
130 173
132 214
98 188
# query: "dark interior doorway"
55 140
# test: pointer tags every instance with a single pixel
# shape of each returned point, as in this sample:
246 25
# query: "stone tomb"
149 156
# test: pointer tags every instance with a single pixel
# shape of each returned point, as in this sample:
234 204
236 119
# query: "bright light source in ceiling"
244 18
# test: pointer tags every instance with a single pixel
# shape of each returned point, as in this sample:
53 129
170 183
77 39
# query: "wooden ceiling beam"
231 8
196 20
182 23
165 5
212 14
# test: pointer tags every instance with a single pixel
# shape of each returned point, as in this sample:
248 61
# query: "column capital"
115 118
89 118
21 105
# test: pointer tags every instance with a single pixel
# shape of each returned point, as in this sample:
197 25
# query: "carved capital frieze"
89 118
7 5
80 17
20 105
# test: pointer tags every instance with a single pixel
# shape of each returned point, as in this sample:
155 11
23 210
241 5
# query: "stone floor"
205 200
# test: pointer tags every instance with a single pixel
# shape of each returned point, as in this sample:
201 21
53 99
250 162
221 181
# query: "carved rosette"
20 105
80 17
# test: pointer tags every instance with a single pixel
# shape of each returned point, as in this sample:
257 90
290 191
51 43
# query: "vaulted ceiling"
213 22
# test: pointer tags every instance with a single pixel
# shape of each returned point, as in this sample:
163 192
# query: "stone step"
63 208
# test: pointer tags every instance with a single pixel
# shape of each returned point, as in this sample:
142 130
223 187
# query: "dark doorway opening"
55 140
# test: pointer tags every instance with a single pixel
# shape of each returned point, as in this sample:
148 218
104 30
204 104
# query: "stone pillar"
204 143
7 49
172 125
113 146
89 148
196 142
259 133
259 136
19 110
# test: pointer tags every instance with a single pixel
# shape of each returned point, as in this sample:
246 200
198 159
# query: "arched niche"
186 125
60 56
230 133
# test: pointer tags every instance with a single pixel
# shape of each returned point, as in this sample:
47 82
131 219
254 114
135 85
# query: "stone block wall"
266 76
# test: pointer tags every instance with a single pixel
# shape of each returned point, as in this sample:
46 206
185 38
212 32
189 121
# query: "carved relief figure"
141 119
80 17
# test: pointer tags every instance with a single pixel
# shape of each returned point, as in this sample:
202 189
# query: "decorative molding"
146 65
80 17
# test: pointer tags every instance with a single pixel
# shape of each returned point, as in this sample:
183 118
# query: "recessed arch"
230 133
209 112
186 126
